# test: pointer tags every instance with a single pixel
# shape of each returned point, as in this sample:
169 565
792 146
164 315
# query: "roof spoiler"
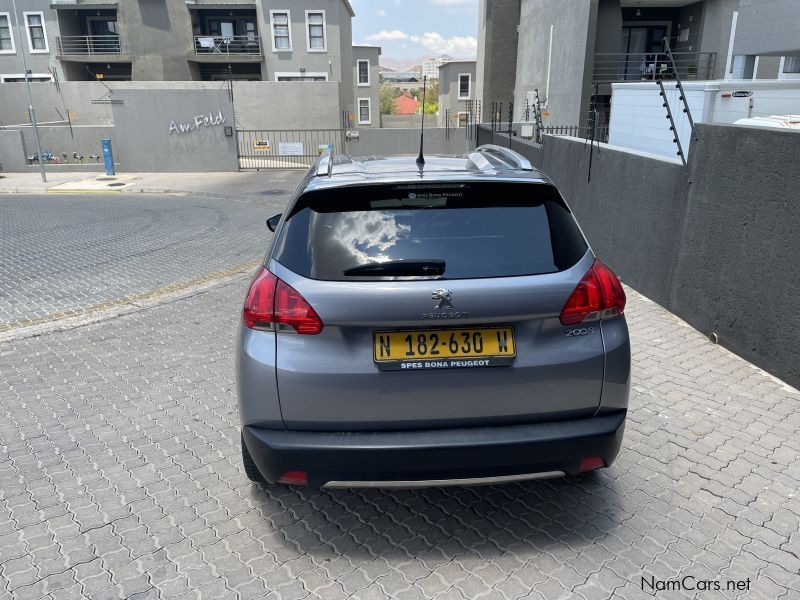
504 155
325 164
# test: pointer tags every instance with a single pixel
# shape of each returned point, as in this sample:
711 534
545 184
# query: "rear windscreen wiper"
400 268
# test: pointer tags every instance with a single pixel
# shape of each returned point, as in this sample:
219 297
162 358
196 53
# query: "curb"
81 191
166 191
157 191
24 191
86 315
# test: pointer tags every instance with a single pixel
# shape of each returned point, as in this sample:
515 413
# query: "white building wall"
638 119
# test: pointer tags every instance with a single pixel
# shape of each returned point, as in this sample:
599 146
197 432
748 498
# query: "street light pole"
31 113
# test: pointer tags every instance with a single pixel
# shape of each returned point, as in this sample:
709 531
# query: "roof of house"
406 105
458 62
368 47
349 8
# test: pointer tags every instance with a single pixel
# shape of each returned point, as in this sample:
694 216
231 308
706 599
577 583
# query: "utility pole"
31 113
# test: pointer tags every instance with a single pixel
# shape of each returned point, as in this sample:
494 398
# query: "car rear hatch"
406 278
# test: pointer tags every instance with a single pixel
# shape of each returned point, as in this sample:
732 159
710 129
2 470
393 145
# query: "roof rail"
325 167
505 155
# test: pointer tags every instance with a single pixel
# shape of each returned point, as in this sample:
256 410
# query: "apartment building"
367 86
430 67
766 31
37 35
456 89
565 51
179 40
498 21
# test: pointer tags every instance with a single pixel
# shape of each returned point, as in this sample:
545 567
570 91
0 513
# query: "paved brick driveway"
59 253
120 477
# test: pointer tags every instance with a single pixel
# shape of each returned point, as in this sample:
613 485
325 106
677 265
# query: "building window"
464 84
363 72
281 30
315 30
37 36
6 35
791 64
41 77
364 112
462 119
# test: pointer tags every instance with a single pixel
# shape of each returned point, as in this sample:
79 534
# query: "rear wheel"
250 468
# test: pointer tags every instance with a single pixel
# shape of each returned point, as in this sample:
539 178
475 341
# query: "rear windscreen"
463 230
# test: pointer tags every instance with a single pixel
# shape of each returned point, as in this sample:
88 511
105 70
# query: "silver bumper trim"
423 483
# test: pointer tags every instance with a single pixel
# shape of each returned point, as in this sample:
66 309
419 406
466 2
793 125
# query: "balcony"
227 48
89 45
652 66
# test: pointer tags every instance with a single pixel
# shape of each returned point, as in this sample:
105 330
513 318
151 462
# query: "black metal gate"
285 148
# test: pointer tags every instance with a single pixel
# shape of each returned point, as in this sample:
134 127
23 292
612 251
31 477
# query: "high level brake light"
271 301
599 295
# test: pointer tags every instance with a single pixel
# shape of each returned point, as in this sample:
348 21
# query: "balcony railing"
614 67
224 46
89 45
81 3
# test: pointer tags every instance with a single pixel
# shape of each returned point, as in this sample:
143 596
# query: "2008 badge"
581 331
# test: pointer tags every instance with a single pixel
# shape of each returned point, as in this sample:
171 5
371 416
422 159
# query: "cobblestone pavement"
120 477
59 253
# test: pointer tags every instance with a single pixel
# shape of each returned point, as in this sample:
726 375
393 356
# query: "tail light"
599 295
271 301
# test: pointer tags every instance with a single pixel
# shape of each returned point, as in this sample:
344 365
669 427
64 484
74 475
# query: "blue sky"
408 29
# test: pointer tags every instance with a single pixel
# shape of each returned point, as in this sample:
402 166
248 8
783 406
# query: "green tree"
431 98
388 94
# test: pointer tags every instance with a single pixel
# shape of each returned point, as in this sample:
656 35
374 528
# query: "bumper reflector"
294 478
590 463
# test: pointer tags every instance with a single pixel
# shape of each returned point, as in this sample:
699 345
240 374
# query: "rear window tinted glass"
477 229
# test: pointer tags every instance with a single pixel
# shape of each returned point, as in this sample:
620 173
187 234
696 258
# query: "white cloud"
458 45
387 36
381 13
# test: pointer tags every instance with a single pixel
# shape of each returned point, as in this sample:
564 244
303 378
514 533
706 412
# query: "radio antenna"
421 158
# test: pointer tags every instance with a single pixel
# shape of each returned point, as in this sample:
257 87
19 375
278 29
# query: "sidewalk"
222 184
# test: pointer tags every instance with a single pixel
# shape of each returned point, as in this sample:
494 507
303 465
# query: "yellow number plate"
444 348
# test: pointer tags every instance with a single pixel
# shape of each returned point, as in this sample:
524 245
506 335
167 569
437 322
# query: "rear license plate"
444 348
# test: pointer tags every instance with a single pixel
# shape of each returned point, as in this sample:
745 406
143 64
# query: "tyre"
250 468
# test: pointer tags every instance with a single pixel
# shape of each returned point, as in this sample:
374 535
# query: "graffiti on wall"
204 120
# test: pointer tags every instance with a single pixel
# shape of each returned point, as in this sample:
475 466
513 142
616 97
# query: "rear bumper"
432 457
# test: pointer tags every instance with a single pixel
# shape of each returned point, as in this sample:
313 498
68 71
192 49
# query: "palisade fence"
285 148
500 119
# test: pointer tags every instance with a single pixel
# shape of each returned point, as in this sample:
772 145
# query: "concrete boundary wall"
12 151
159 130
382 142
83 139
722 252
259 104
738 267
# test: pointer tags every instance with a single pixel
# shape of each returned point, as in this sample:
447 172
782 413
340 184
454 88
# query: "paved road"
120 477
59 253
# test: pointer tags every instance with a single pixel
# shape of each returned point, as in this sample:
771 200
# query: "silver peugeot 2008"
443 323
